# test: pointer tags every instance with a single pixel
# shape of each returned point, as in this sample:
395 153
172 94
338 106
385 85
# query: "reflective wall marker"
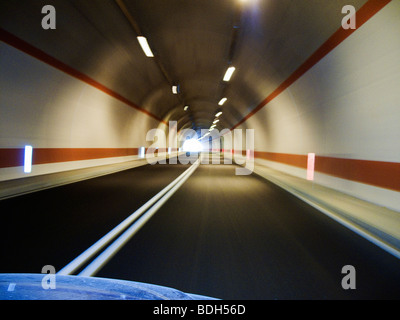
28 159
310 166
141 152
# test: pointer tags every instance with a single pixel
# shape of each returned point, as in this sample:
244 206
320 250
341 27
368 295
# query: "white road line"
107 254
96 247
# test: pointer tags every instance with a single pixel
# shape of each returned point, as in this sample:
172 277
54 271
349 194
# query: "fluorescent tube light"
229 73
218 114
223 100
145 47
216 121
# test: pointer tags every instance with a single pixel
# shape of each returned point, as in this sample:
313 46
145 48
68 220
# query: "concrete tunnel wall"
70 123
346 110
345 107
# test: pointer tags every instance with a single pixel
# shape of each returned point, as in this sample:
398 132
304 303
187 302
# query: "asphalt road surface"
241 237
53 226
220 235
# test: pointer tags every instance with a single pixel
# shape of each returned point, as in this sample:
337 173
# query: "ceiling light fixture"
186 108
217 120
175 89
145 46
218 114
223 100
229 73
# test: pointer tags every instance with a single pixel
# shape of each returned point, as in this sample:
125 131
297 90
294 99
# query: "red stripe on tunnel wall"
25 47
11 158
15 157
376 173
289 159
43 156
366 12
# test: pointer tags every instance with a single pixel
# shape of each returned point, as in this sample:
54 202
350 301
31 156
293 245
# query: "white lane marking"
96 247
107 254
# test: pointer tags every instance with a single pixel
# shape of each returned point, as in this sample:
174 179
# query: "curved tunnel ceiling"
194 42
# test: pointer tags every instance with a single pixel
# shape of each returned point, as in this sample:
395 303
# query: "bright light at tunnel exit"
192 145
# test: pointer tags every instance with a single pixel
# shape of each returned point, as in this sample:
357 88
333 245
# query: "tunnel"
200 149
